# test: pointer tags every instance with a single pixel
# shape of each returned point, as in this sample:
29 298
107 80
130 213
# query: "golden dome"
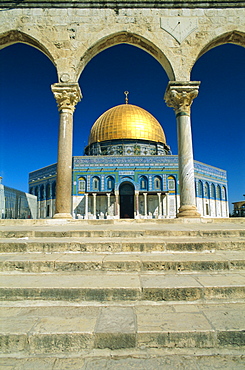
126 121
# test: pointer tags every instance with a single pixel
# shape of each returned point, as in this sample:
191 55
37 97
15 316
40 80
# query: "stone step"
119 233
131 359
111 286
117 245
43 329
165 261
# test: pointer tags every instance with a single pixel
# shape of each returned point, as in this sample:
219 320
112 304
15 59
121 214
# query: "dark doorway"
126 192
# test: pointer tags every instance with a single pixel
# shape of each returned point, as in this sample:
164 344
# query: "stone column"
108 204
179 95
38 203
67 96
159 205
167 205
86 206
117 204
94 205
145 204
136 204
44 202
51 201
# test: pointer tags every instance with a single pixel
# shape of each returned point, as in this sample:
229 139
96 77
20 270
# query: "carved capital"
180 95
66 95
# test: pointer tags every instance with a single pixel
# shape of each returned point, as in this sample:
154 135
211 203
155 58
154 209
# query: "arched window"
36 191
31 191
213 191
171 184
81 185
157 183
206 190
223 193
48 191
96 184
42 192
54 189
218 192
199 189
143 183
110 183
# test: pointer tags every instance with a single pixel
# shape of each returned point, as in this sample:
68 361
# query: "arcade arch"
232 37
11 37
126 38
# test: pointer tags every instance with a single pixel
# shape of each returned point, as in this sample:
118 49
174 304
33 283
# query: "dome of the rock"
126 121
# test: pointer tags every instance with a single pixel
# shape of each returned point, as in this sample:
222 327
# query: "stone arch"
232 37
14 36
126 38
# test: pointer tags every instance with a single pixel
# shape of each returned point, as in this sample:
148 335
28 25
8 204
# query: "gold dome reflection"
126 121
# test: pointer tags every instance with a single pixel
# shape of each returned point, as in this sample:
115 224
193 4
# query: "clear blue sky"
29 117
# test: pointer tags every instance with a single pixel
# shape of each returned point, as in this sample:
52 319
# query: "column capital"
180 94
66 95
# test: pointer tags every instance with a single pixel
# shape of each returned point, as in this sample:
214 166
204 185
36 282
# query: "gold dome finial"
126 96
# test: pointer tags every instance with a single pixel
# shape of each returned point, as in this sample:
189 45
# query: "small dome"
126 121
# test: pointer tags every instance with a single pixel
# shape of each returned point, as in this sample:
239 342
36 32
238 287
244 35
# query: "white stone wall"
216 208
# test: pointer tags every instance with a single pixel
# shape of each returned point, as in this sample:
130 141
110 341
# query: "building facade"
128 171
16 204
239 209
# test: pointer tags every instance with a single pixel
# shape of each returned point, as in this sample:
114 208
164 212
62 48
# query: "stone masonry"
72 35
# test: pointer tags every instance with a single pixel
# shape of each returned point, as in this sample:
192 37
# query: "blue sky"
29 116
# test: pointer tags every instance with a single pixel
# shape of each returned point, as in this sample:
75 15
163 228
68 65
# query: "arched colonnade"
176 57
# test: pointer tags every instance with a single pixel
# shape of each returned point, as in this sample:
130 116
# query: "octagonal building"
128 171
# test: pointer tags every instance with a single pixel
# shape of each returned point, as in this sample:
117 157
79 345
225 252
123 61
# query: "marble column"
38 202
44 202
159 205
94 205
136 204
117 209
167 205
145 204
108 204
86 206
67 96
179 95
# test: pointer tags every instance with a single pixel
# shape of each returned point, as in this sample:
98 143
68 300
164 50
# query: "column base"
188 212
63 216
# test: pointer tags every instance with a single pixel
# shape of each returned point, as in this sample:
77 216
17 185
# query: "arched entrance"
126 193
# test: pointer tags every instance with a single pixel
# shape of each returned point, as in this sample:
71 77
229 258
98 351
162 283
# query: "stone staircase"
126 294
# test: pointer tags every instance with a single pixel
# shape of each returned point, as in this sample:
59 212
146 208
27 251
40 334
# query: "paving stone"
116 328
